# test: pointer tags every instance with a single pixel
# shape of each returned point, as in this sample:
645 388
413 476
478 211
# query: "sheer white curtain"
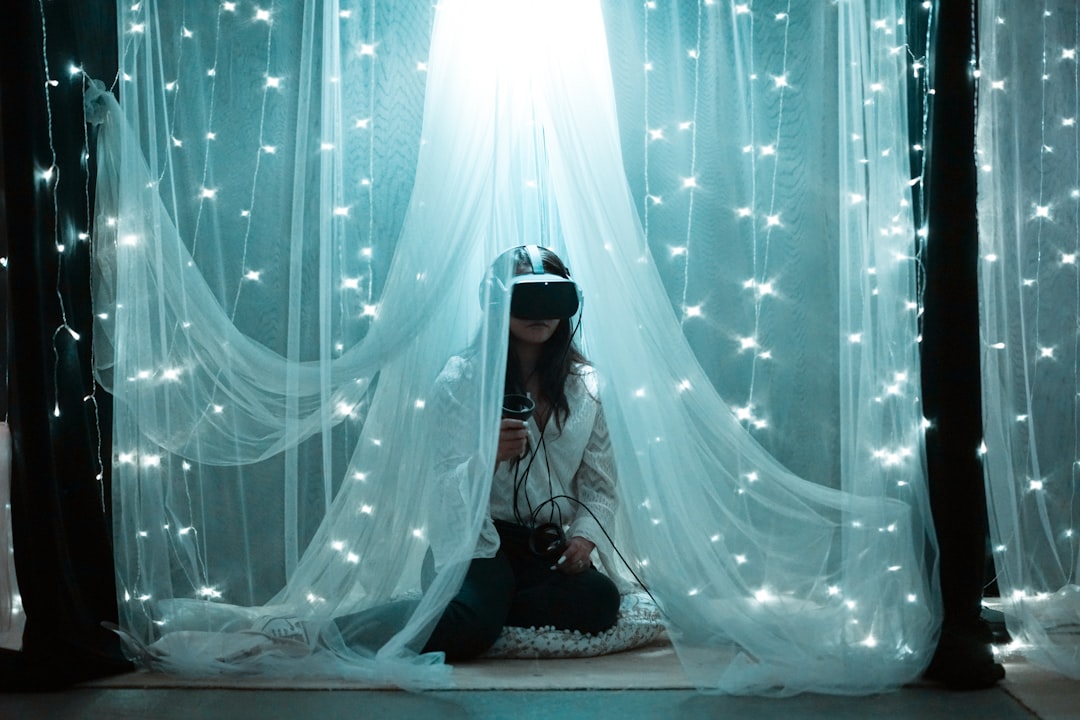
1029 215
296 207
12 619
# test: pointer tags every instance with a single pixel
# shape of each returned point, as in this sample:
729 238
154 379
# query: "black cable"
521 478
606 535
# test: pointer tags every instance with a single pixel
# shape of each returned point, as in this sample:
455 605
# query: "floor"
647 683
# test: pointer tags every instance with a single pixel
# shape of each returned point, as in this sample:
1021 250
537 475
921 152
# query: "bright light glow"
763 596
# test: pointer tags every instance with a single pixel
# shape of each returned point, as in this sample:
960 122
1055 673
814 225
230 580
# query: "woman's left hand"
575 559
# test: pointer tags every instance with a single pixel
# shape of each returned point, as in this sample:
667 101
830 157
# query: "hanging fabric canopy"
296 207
1029 212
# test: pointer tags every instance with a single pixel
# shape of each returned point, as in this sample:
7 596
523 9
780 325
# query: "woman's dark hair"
560 355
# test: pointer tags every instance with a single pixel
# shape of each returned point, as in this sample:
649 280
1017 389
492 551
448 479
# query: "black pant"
519 588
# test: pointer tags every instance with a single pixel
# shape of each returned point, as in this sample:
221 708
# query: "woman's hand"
513 439
575 559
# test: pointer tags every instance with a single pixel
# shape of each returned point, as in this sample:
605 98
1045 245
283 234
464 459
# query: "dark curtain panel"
950 346
60 491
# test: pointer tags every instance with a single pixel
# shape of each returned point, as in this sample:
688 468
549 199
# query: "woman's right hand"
513 439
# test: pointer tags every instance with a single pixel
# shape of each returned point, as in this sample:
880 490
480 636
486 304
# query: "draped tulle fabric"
1029 211
296 208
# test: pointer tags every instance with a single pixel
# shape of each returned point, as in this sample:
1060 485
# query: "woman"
555 471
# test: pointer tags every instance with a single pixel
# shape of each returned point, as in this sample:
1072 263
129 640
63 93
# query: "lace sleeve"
594 484
454 468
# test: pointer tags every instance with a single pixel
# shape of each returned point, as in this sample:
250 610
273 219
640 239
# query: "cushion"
639 624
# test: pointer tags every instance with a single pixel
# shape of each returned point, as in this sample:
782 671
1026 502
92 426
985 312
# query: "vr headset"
538 295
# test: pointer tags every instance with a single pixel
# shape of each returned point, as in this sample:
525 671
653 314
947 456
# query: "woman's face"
532 332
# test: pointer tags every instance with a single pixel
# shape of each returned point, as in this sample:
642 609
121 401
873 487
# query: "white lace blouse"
575 460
